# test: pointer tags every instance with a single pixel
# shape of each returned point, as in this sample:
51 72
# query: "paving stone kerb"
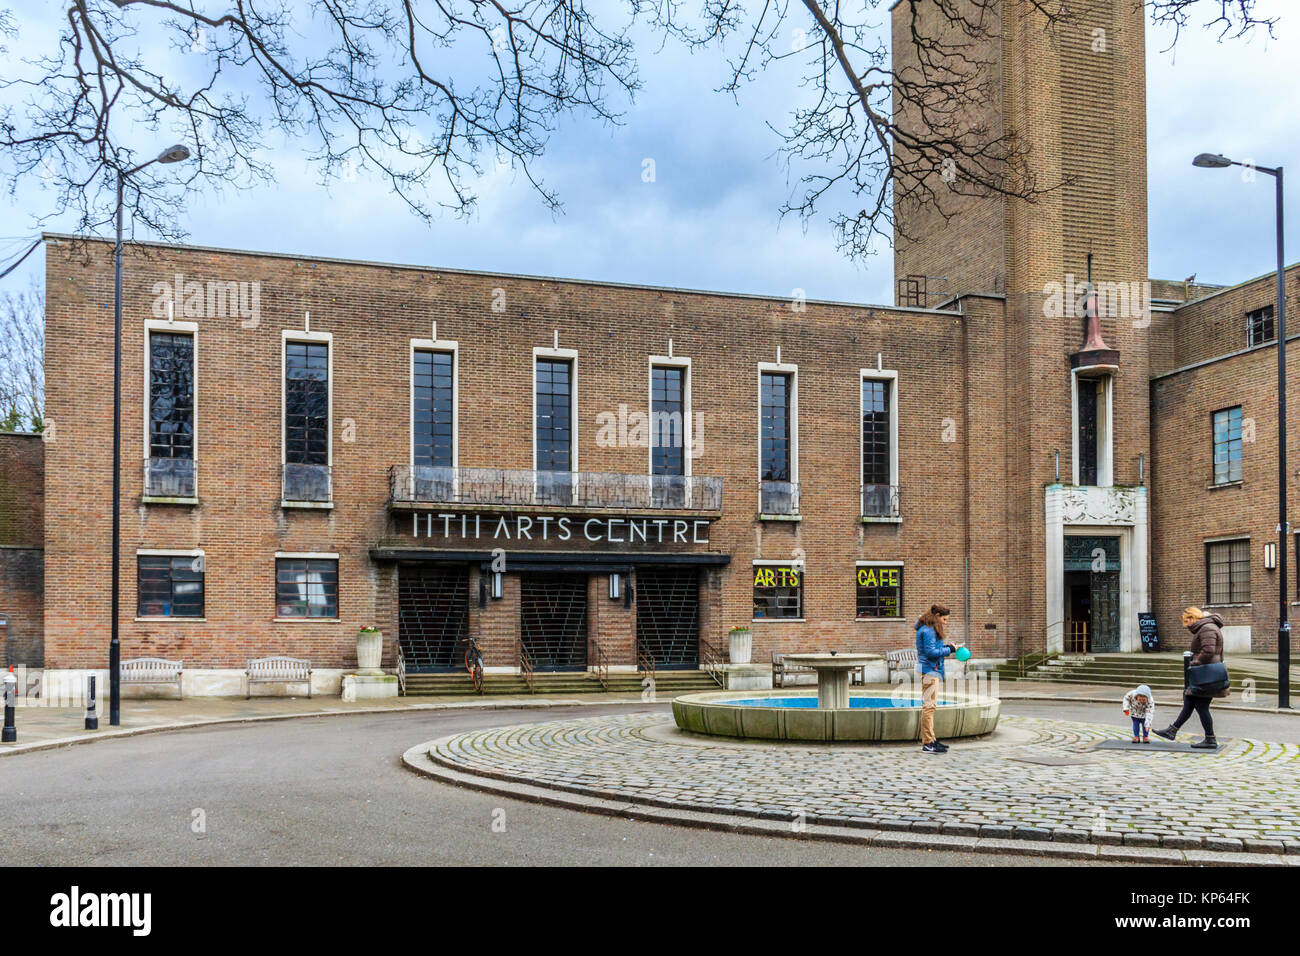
1244 798
718 714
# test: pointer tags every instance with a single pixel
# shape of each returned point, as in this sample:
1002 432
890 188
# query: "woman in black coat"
1207 648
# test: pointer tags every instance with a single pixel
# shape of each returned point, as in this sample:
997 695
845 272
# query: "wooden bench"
900 660
781 670
152 670
277 670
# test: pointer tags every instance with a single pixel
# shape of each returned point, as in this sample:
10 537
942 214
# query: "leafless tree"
22 360
426 93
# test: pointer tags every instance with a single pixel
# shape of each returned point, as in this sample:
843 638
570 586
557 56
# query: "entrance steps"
1159 672
667 684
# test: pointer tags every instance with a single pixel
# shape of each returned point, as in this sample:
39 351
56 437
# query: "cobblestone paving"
1246 797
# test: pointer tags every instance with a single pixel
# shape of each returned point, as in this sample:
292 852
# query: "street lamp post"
172 155
1216 161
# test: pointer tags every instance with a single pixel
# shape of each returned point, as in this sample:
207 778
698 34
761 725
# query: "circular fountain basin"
783 715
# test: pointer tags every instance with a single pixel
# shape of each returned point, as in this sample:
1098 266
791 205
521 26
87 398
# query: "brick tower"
1072 96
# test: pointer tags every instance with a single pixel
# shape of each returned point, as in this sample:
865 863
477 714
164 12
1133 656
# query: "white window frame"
793 371
1105 429
782 563
315 338
446 346
570 355
178 328
171 553
880 375
310 556
670 361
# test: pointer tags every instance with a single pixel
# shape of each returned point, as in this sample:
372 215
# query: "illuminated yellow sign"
776 577
879 577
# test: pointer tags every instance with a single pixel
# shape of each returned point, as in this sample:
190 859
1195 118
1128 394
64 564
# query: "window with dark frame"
1089 412
306 403
307 587
1227 572
667 420
171 395
433 415
778 592
169 585
1259 326
554 414
774 431
880 590
1227 445
876 465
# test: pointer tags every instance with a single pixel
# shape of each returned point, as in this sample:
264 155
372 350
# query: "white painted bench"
152 670
277 670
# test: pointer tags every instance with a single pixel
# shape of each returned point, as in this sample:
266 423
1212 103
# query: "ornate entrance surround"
1087 510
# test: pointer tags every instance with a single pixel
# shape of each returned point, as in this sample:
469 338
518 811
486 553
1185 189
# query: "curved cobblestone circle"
1245 797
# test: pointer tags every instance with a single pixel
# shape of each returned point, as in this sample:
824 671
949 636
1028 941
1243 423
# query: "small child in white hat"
1140 707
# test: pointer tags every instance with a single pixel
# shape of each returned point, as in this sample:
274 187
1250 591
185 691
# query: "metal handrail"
645 663
415 484
602 665
401 669
714 663
526 667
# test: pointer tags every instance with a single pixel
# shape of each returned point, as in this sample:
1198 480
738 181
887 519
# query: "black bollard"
10 734
92 719
1187 662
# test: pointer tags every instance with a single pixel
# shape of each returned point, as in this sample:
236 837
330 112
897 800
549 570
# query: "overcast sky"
710 220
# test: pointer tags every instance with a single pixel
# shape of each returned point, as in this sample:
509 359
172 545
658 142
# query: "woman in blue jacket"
931 648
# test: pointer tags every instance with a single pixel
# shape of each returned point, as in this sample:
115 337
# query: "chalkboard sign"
1147 629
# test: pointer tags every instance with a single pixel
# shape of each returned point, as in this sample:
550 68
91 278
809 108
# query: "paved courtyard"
1035 781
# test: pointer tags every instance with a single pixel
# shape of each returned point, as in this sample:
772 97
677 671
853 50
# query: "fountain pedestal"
833 672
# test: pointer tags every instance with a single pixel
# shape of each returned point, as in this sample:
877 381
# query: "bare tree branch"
22 360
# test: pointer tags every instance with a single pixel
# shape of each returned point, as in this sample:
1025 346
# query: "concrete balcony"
505 489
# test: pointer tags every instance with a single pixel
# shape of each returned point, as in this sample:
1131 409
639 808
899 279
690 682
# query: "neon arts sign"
550 528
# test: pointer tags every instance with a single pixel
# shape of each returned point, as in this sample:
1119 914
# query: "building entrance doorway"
432 616
1092 573
668 617
553 620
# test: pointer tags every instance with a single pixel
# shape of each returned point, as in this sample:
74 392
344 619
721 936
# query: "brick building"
575 472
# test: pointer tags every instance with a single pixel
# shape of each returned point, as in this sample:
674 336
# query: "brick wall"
22 518
1186 510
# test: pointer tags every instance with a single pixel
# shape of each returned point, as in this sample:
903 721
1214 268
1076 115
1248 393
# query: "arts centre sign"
498 529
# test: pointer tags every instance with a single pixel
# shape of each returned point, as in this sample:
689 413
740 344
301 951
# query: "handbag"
1206 680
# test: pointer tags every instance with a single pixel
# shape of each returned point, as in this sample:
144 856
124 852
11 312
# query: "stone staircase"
667 684
1159 671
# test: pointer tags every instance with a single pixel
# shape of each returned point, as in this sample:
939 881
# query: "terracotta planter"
370 650
740 646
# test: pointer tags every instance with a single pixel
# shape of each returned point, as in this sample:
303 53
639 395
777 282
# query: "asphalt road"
331 791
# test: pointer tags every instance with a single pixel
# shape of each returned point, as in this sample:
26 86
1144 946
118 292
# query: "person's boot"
1206 743
1169 733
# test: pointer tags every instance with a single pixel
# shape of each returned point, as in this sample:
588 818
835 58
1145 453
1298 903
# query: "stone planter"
370 651
740 646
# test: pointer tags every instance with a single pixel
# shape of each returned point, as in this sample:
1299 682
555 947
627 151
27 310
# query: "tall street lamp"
1215 161
173 154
